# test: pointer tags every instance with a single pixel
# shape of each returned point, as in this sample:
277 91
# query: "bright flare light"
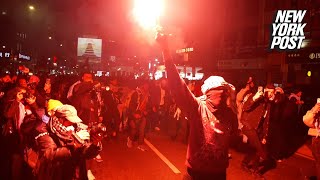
147 12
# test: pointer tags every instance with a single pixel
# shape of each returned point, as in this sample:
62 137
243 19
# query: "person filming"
312 120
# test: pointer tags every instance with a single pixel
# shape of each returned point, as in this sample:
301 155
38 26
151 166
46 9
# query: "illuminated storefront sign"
304 57
314 55
4 54
25 57
19 56
188 72
185 50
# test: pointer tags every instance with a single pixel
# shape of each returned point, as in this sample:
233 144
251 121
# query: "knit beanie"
53 104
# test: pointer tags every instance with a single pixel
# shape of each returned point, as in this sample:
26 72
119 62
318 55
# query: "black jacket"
252 112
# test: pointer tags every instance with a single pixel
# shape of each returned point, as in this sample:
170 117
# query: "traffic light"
309 73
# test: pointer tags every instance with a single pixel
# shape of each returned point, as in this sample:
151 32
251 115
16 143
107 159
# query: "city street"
165 160
204 68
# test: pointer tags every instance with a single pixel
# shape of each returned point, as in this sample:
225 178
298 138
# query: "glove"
83 134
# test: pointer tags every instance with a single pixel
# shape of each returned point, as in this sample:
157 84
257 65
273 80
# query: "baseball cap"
68 112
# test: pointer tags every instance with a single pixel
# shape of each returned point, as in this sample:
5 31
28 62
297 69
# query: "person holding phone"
256 115
312 120
242 97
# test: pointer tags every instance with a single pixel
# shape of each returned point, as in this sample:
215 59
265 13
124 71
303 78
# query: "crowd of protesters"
38 132
265 122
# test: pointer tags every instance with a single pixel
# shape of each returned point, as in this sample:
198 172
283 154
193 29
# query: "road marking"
305 151
305 156
162 157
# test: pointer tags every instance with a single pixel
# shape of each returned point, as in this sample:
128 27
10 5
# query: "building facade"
243 44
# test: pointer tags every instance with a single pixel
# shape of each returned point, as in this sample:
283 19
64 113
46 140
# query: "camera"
97 128
101 88
93 128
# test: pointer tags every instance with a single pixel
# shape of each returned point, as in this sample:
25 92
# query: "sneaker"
98 158
142 148
129 142
90 175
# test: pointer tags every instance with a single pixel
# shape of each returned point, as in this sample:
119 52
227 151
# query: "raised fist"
316 108
258 95
162 39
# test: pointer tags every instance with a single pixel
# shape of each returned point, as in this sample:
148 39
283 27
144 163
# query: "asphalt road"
166 162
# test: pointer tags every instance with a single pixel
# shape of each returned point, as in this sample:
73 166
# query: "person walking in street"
212 122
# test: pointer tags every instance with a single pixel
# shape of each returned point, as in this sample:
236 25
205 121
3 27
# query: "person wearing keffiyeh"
212 121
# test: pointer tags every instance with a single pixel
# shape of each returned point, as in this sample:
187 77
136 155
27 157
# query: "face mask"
216 98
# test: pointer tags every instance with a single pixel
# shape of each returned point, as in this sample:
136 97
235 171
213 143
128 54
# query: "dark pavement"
122 163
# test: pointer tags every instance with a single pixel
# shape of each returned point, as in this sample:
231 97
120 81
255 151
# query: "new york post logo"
287 30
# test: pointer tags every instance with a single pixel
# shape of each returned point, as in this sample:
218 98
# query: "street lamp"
31 8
